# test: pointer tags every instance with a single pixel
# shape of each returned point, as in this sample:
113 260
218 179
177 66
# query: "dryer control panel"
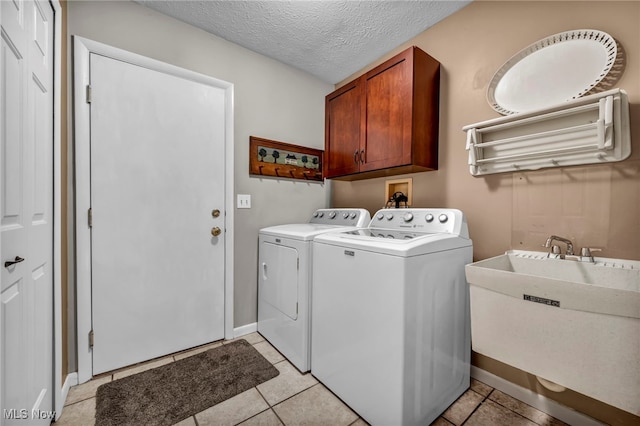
341 217
430 221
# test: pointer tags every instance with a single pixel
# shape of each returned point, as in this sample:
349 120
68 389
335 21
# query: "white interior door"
157 175
26 202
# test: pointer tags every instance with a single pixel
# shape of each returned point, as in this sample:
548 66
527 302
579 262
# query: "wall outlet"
244 201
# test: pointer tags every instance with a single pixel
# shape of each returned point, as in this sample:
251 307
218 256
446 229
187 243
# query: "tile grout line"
497 403
485 397
89 397
257 414
271 407
79 401
356 420
518 414
303 390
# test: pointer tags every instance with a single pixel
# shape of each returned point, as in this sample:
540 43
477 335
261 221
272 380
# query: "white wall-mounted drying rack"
588 130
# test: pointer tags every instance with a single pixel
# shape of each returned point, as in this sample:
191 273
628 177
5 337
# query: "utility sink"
607 286
576 324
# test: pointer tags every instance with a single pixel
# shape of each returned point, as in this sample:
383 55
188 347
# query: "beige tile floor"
292 398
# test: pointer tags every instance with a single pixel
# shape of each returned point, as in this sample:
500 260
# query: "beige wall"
595 206
271 100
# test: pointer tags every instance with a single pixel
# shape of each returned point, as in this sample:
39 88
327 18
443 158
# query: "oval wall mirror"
555 69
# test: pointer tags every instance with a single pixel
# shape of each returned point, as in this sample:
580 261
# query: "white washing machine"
390 314
284 279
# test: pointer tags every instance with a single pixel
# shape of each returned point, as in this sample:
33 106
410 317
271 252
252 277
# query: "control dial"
429 218
332 215
353 215
407 217
389 216
380 216
345 215
443 218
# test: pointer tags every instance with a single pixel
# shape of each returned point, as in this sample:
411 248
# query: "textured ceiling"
328 39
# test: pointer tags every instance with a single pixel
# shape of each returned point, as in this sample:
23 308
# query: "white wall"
272 100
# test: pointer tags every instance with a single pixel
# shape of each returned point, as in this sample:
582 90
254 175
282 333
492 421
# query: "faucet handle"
555 252
586 253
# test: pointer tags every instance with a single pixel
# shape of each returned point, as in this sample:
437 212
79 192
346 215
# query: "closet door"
26 203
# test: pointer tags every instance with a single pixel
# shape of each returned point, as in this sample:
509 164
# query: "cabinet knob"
355 157
362 156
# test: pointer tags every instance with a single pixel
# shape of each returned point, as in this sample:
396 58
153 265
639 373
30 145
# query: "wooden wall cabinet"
386 121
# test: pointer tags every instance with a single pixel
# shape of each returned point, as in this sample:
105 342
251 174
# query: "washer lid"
390 234
394 242
302 231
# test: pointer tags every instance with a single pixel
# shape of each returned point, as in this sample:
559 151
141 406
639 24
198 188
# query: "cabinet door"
389 105
344 112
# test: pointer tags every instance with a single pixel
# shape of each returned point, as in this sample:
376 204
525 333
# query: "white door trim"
58 397
82 49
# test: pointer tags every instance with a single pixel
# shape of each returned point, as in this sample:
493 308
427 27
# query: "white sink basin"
607 286
582 331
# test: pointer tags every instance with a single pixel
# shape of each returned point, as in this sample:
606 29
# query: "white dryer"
284 279
390 315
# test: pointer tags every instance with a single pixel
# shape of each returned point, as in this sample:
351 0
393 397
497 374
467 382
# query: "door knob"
215 231
215 213
8 263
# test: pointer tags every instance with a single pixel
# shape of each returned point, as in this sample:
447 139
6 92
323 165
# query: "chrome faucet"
561 239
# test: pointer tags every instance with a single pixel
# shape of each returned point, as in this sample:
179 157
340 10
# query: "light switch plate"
244 201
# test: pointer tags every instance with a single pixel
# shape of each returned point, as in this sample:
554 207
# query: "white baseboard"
245 329
540 402
71 380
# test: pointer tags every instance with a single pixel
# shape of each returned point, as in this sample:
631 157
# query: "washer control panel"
420 220
341 217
